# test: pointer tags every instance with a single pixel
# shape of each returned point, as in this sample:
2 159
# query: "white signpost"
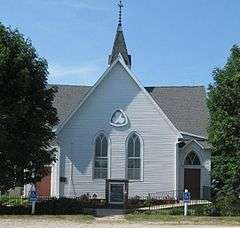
186 200
33 198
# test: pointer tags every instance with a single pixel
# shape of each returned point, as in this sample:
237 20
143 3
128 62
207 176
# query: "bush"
226 206
15 210
54 206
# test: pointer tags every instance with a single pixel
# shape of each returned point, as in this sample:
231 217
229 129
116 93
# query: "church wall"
76 140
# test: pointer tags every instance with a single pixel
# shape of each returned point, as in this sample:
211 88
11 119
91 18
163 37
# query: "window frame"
95 158
141 179
196 155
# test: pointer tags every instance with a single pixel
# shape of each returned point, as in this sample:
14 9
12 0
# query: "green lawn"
11 200
178 219
75 218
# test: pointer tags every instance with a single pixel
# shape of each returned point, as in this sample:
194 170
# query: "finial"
120 5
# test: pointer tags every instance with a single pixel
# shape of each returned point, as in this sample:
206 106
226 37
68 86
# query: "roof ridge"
196 86
64 85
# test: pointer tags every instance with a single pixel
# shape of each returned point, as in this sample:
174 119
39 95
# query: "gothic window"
134 157
101 157
192 159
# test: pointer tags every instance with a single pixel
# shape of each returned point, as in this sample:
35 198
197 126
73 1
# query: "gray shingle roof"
184 106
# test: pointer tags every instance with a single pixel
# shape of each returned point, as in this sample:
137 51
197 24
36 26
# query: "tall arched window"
192 159
101 157
134 163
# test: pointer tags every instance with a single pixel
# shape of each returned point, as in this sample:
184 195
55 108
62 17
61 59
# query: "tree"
27 115
224 131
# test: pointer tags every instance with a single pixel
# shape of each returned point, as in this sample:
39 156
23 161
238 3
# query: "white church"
118 139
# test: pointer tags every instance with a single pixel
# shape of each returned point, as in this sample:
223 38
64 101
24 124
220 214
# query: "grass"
179 219
10 200
72 218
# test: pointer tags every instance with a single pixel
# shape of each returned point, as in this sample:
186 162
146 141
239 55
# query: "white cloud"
77 4
82 74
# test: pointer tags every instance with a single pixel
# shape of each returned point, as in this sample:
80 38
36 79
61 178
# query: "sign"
116 193
186 197
33 196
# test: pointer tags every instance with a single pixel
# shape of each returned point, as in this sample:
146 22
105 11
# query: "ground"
110 222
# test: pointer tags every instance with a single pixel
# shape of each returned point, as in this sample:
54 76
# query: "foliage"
27 115
224 130
51 206
13 200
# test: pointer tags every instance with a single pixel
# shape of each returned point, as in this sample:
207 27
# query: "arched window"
134 157
192 159
101 157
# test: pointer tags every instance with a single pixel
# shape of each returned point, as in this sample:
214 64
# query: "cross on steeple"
120 5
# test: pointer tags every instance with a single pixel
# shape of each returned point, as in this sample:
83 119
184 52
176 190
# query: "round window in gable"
119 119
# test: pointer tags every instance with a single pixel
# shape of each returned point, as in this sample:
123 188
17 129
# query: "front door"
192 179
44 186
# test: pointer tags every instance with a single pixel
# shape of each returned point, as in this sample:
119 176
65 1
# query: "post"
33 198
186 200
33 207
185 208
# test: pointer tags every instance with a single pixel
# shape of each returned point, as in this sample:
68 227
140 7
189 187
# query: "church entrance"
192 174
44 186
192 179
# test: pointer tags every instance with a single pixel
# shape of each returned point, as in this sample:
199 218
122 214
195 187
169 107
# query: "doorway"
43 187
192 178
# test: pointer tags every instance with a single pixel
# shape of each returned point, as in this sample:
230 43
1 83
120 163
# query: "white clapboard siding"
117 90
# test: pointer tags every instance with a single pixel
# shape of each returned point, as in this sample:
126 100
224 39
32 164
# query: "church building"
119 139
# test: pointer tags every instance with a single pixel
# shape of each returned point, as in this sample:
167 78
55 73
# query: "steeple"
120 46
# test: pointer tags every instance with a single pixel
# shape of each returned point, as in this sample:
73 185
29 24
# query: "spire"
120 5
120 46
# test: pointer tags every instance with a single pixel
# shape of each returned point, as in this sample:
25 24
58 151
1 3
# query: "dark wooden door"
192 179
44 186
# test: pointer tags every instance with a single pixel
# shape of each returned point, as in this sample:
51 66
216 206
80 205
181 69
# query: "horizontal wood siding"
116 91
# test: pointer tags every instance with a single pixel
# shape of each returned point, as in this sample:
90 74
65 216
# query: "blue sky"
172 42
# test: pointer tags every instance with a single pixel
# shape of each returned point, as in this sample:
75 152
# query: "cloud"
76 4
82 74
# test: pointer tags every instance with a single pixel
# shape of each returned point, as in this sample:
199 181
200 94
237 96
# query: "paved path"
98 223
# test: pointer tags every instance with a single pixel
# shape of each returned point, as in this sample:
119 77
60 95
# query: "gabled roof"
121 61
185 106
204 144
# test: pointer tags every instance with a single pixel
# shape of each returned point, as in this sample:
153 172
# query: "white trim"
108 155
141 157
194 141
189 134
58 171
198 155
121 61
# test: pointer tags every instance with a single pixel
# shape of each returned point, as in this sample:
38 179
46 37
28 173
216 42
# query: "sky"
172 42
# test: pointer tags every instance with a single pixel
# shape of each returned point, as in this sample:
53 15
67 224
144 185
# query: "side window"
134 163
101 157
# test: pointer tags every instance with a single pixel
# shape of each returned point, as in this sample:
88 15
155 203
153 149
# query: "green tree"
27 115
224 131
